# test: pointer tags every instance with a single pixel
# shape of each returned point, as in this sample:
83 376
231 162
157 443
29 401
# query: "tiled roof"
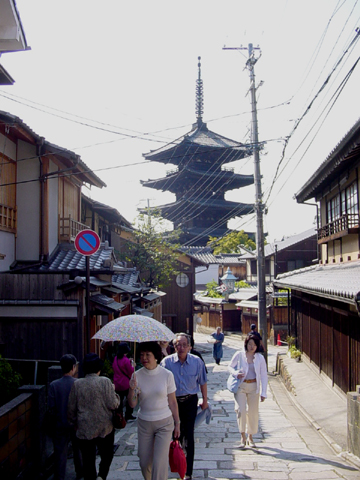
336 163
66 258
227 258
338 281
282 244
203 254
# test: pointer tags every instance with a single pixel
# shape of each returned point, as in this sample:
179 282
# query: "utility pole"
259 206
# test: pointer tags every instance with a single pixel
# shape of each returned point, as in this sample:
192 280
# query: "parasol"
134 328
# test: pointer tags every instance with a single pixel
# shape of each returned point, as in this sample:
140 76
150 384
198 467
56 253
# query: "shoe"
130 418
187 477
242 444
99 478
251 444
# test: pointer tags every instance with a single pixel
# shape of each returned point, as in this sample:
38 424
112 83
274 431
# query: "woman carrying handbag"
123 370
250 368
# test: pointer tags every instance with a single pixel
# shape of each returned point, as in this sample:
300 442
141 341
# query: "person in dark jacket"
63 433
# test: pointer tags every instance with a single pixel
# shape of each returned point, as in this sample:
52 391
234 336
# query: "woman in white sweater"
158 416
250 368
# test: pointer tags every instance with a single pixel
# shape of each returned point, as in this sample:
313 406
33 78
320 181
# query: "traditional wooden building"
325 298
198 180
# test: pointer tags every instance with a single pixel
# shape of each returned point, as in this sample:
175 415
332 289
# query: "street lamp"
229 282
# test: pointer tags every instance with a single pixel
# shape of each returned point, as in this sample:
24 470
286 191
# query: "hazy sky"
112 80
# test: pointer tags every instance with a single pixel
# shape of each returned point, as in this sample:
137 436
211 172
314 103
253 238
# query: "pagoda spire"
199 100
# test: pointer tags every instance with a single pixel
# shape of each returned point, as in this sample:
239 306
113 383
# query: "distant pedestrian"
123 369
190 377
217 349
90 409
58 398
253 331
250 368
158 418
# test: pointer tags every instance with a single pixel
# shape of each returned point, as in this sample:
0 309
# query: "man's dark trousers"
106 451
187 413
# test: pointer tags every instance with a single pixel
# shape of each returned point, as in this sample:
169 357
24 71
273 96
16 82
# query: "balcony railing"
8 218
69 228
348 223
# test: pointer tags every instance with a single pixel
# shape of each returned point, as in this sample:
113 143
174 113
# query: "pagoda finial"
199 97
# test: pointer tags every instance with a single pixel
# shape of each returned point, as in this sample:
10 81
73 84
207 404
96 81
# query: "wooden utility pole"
259 206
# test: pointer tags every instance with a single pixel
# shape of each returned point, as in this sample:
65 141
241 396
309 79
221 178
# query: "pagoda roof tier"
200 144
173 181
186 206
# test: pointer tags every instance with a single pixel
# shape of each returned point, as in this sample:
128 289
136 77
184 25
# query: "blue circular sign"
87 242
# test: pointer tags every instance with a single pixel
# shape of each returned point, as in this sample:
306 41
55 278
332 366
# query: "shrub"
9 381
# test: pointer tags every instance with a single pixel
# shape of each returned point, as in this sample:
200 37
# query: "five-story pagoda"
199 182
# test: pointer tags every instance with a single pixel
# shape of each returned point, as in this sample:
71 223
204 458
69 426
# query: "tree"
153 251
230 243
211 290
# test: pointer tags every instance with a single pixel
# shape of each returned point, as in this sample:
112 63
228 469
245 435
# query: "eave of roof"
20 130
330 169
339 282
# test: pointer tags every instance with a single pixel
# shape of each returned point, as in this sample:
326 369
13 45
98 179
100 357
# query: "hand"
262 399
204 405
133 382
240 374
177 431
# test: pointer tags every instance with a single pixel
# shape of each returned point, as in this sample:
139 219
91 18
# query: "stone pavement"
294 441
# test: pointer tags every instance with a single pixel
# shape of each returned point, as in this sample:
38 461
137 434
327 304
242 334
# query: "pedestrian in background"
217 349
253 331
190 377
123 370
158 417
58 398
90 409
250 368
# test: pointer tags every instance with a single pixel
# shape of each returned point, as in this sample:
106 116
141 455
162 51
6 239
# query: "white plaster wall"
28 203
8 147
202 277
53 209
7 247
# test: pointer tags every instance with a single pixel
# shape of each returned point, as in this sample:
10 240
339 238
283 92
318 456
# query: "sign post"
87 242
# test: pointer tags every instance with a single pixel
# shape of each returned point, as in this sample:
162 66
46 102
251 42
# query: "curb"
353 459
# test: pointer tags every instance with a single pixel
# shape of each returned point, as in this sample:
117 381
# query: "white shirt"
239 358
155 386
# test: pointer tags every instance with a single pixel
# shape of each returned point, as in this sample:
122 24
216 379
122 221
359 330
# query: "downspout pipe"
317 224
39 147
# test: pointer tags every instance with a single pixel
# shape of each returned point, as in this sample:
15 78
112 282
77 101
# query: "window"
182 280
345 202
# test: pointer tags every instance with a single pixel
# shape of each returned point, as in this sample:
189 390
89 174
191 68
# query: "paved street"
288 446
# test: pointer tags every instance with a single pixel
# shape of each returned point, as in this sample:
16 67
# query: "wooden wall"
329 335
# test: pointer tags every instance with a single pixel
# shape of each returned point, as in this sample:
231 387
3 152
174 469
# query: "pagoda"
199 181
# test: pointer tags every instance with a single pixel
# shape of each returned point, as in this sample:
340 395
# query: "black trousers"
187 413
106 451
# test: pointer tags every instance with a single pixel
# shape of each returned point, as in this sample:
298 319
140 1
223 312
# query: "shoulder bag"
233 382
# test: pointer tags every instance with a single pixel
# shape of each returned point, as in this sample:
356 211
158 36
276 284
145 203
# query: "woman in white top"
250 368
158 415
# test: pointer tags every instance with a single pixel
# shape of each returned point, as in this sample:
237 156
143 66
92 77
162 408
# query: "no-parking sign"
87 242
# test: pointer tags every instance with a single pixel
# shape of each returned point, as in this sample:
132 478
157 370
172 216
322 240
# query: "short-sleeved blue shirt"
188 375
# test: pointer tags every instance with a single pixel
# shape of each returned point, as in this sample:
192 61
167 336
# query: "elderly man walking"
190 377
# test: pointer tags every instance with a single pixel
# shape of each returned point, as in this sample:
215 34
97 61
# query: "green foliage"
107 370
9 381
211 292
291 341
242 284
230 243
153 252
294 352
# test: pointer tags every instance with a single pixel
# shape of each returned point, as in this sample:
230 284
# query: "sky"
113 80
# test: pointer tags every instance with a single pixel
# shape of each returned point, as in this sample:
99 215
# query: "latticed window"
345 202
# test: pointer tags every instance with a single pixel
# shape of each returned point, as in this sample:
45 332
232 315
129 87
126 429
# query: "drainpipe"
39 146
317 224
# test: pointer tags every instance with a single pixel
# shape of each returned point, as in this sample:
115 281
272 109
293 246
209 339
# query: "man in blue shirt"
190 376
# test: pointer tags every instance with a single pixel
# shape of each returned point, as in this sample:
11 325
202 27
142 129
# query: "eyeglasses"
182 345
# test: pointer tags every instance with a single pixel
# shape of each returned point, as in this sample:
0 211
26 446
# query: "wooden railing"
340 226
69 228
8 218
